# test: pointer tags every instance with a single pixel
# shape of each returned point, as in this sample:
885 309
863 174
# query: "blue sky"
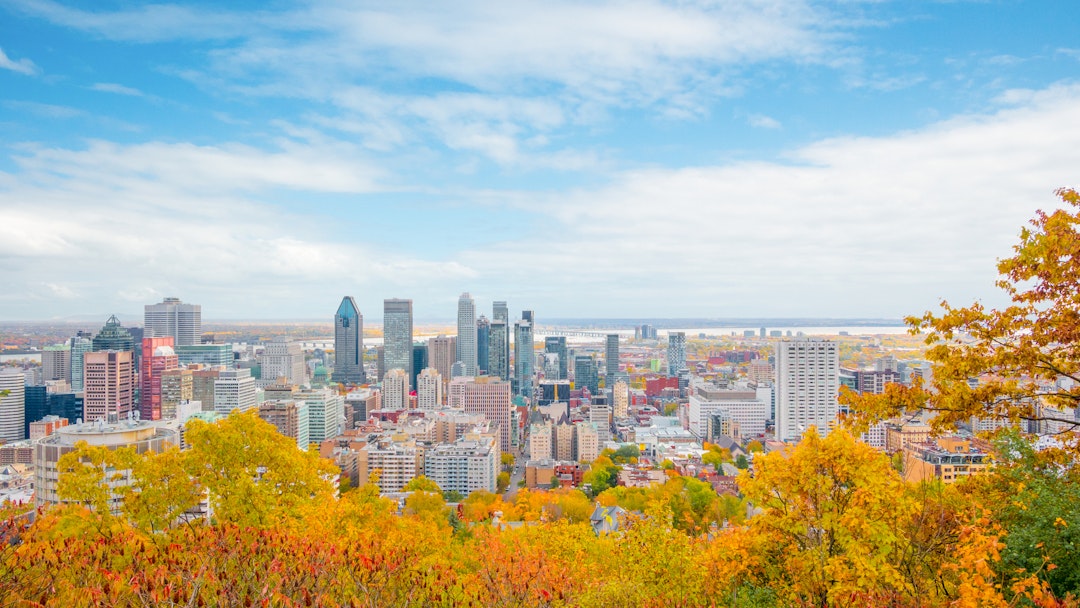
634 159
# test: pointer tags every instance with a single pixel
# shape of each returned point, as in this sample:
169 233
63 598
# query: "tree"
421 483
507 461
1026 356
502 482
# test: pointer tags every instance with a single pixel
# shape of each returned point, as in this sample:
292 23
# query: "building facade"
348 343
173 318
398 337
466 336
109 379
676 352
807 386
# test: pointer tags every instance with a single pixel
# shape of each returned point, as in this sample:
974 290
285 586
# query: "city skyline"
872 158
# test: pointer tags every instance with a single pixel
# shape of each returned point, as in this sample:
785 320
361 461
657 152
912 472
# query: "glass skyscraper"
611 358
466 336
483 341
557 345
348 343
398 338
499 350
523 357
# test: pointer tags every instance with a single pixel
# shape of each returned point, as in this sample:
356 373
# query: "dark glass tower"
113 337
557 345
419 359
348 343
483 335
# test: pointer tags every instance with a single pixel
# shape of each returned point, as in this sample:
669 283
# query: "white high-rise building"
600 416
620 397
395 390
467 465
234 389
807 385
466 333
429 390
587 441
326 413
173 318
283 358
540 441
12 405
748 407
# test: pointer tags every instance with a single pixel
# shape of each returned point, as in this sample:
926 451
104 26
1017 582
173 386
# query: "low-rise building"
948 459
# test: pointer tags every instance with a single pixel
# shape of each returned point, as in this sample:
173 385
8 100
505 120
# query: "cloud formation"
22 66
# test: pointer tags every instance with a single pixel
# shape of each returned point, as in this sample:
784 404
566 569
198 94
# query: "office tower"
600 416
442 352
12 405
748 408
585 374
348 343
419 360
113 337
587 442
177 385
35 404
80 345
326 413
563 442
759 371
56 363
380 362
290 418
527 315
395 390
620 397
491 399
611 358
483 341
398 337
283 358
550 366
466 333
203 386
500 312
523 357
676 352
234 389
457 370
429 390
807 383
158 357
557 345
210 355
173 318
499 350
108 385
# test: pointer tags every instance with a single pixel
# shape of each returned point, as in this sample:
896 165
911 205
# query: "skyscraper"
807 384
585 374
524 356
500 312
466 336
234 389
282 358
429 390
395 390
113 337
173 318
442 351
557 345
398 337
80 345
348 343
12 404
109 385
676 352
419 360
483 341
611 358
56 363
491 398
499 350
158 357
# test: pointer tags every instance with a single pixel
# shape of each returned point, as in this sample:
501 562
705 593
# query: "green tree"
507 461
502 482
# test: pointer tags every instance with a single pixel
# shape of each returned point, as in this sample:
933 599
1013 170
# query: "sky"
758 158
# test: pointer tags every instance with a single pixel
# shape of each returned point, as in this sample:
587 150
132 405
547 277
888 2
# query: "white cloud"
22 66
119 89
763 122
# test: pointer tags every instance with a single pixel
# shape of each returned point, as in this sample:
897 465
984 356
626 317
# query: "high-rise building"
56 363
177 386
203 387
283 358
557 346
600 416
442 352
483 342
499 350
620 397
748 408
524 356
398 338
234 389
210 355
12 405
500 312
429 390
611 358
541 441
158 357
419 360
113 337
466 336
807 384
587 441
80 345
491 399
173 318
465 466
395 390
585 374
290 418
348 343
108 385
676 352
326 413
